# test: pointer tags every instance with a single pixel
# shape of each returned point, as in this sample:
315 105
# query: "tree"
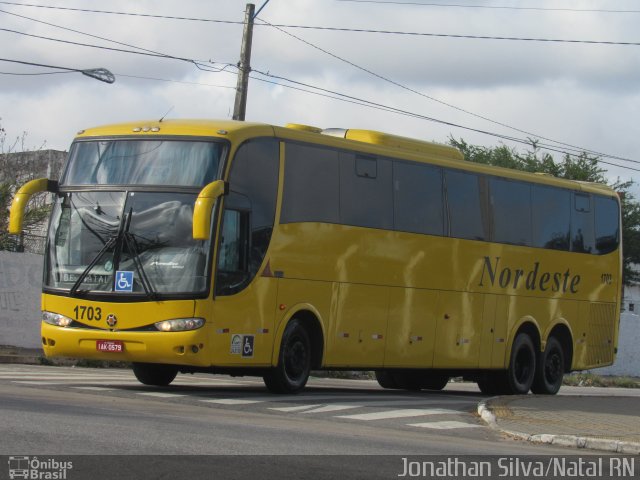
18 165
583 167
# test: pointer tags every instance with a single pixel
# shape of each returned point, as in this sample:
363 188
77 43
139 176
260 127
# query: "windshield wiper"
132 247
110 243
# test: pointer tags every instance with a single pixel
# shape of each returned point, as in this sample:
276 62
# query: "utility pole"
240 105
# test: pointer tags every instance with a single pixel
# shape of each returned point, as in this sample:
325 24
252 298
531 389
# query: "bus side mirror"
21 198
204 206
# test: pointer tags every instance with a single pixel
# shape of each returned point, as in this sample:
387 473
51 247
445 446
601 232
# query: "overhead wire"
494 7
429 97
377 105
280 27
338 29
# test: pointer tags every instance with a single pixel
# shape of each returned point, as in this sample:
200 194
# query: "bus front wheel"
550 369
155 374
294 362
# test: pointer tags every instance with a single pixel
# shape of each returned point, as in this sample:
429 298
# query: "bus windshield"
143 162
125 242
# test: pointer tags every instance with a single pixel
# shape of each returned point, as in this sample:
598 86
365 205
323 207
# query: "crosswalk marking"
445 425
232 401
97 389
160 394
294 409
335 405
332 408
410 412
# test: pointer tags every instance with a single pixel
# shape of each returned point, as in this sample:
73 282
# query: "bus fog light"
180 324
56 319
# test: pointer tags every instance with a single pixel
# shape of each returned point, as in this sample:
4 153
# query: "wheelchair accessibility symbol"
247 346
124 281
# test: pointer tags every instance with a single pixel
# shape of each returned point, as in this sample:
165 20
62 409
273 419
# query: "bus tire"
550 369
492 383
294 361
409 380
434 381
386 379
155 374
522 366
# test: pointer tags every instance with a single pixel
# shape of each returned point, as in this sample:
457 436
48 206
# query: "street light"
101 74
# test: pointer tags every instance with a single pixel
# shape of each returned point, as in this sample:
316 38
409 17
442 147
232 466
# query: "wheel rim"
296 359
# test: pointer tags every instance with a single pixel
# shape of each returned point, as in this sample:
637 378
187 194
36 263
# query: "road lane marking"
294 409
447 425
97 389
410 412
332 408
160 394
232 401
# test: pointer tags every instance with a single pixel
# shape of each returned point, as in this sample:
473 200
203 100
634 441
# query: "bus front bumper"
176 348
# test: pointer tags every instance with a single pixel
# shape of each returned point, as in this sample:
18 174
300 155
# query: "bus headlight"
179 324
56 319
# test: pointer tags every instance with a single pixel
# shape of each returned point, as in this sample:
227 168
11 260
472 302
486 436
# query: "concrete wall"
20 288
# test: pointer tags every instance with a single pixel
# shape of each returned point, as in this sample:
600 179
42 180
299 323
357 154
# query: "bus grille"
600 341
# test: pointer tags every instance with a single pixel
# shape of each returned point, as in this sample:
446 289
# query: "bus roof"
366 141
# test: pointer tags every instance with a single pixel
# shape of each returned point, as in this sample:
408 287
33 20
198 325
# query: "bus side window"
582 236
233 255
551 217
464 205
607 225
249 213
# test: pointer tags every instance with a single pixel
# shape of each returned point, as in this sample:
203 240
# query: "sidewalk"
608 423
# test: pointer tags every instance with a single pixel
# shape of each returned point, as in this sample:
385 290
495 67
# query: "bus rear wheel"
155 374
294 362
386 379
522 367
550 369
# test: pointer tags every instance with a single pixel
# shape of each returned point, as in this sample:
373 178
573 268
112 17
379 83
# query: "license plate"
111 346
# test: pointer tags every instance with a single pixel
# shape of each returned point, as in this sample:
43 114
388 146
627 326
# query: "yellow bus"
250 249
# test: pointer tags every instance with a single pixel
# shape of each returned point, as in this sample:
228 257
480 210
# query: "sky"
569 95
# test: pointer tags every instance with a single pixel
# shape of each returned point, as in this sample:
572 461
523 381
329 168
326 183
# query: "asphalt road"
58 411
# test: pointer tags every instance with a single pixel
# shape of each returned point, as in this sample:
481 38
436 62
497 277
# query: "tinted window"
311 185
249 210
464 205
551 217
607 224
417 198
365 200
511 207
582 238
143 162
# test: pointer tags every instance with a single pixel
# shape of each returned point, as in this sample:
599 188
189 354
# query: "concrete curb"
15 355
573 441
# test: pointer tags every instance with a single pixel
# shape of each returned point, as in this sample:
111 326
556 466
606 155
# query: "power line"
129 14
206 68
344 29
79 32
198 64
409 89
379 106
452 35
494 7
140 77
